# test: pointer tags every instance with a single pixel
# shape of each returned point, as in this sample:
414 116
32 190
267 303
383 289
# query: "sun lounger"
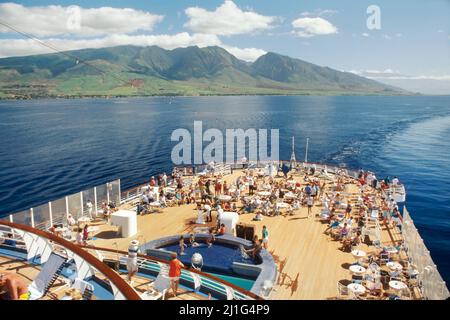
48 275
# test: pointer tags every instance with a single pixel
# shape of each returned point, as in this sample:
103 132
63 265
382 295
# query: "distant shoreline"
212 95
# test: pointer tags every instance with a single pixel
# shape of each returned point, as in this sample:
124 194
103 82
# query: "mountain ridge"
139 71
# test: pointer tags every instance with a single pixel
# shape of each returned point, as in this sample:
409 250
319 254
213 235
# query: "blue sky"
413 44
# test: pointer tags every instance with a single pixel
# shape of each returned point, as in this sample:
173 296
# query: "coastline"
313 94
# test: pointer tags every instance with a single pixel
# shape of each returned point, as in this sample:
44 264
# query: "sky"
402 42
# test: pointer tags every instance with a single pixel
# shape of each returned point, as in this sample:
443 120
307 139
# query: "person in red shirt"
175 266
221 230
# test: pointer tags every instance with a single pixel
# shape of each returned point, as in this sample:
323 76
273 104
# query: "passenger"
175 266
132 266
86 233
71 221
310 203
265 237
258 217
79 237
192 241
208 210
221 230
211 238
89 206
12 287
181 245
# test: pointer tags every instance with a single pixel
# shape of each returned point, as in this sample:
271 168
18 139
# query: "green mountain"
140 71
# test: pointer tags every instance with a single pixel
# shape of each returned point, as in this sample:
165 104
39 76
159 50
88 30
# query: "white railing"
433 286
56 212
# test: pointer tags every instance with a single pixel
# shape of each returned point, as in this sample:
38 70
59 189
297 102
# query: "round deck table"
357 269
394 266
397 285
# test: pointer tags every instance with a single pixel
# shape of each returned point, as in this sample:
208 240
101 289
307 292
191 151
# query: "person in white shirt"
71 221
395 181
219 215
164 179
89 207
162 201
79 237
132 266
208 212
310 203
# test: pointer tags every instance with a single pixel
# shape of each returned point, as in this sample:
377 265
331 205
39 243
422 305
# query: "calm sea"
52 148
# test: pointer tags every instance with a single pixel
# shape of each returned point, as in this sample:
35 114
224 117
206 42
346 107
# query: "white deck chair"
47 276
158 288
84 287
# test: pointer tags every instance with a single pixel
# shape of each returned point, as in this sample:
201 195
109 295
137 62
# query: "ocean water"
52 148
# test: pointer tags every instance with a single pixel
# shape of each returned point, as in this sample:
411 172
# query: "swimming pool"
217 258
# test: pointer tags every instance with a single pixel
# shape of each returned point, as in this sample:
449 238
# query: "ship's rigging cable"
65 53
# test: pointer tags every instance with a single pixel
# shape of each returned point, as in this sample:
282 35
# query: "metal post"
81 203
306 152
50 212
32 217
95 200
67 207
120 192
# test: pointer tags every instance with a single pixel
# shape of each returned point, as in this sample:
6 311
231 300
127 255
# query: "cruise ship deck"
313 262
309 262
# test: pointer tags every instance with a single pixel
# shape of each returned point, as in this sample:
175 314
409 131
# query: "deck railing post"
82 203
120 192
50 213
32 217
95 200
67 207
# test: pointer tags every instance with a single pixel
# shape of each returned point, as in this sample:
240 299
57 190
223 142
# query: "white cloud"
310 27
389 74
55 20
387 37
246 54
228 19
319 12
23 47
365 34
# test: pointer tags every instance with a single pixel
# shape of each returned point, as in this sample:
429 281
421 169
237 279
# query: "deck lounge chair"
86 289
47 277
157 289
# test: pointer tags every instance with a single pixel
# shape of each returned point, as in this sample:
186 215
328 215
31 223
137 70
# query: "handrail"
115 278
226 283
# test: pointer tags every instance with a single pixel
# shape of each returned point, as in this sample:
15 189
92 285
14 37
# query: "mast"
293 159
293 151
